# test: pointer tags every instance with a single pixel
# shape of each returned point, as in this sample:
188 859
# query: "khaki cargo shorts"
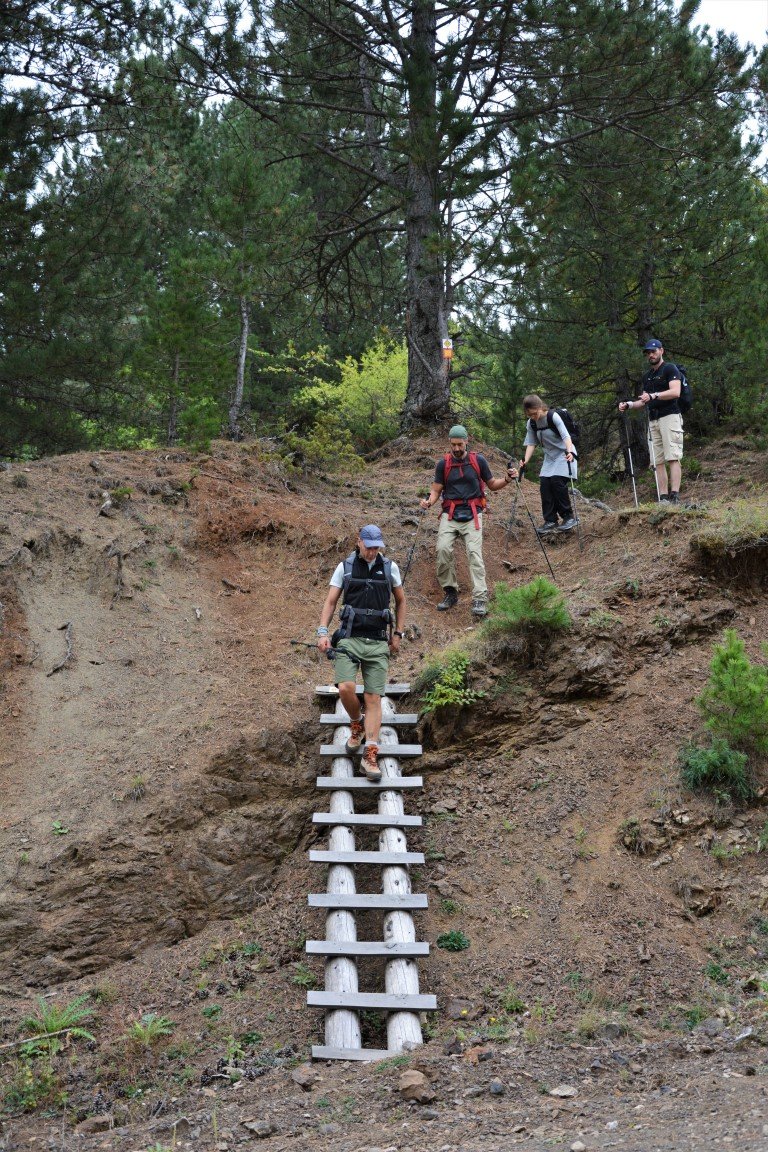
667 435
370 656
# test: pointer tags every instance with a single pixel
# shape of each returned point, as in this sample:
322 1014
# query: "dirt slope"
157 790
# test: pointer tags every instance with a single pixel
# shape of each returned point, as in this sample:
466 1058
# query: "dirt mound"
158 760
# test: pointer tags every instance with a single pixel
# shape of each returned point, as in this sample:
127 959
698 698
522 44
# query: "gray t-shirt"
555 463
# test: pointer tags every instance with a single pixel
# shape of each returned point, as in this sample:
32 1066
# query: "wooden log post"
401 976
342 1025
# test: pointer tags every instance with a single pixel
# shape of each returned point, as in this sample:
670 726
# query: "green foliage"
734 702
511 1002
33 1084
303 976
447 680
719 768
333 421
121 495
149 1030
535 607
454 941
50 1019
715 973
450 907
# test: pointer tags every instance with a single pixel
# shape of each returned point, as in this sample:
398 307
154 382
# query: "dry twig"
67 630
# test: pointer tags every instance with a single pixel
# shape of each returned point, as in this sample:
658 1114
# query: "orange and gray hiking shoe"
357 734
371 763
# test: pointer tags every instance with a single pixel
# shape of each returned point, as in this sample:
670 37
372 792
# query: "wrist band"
322 631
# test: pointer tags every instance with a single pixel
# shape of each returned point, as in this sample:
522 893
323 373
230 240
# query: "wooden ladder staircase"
341 997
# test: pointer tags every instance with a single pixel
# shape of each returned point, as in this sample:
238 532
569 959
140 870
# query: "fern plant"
51 1022
151 1028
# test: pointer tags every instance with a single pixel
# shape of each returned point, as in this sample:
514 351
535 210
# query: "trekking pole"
629 457
652 455
306 644
413 546
513 514
573 509
533 522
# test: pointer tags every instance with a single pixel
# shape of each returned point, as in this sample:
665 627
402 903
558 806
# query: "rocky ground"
158 755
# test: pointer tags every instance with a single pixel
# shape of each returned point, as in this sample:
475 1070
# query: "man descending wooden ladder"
341 997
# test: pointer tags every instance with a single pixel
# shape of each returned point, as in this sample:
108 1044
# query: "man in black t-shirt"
460 479
659 395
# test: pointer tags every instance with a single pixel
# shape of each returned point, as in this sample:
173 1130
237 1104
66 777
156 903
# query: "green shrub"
718 768
734 702
454 941
538 606
448 682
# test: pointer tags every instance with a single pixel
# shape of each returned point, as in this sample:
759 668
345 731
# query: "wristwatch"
396 633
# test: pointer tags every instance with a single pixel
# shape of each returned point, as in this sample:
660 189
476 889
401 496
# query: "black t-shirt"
658 380
463 481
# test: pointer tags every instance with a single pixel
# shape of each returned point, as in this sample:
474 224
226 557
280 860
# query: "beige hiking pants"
447 533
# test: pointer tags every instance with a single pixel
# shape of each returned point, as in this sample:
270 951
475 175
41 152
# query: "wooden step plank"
398 750
391 721
373 820
362 901
323 856
390 689
360 784
385 1001
367 948
324 1052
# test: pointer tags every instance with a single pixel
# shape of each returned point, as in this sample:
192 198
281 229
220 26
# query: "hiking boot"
479 608
371 763
357 734
664 499
674 498
450 600
568 524
547 526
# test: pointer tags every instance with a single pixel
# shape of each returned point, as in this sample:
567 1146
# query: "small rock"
711 1027
260 1128
306 1077
578 1146
564 1091
95 1124
496 1088
329 1129
612 1125
414 1085
611 1030
459 1009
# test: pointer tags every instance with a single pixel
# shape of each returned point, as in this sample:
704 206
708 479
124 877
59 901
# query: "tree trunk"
173 403
236 406
427 400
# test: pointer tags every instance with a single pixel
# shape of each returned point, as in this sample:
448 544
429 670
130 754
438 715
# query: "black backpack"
570 423
685 399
